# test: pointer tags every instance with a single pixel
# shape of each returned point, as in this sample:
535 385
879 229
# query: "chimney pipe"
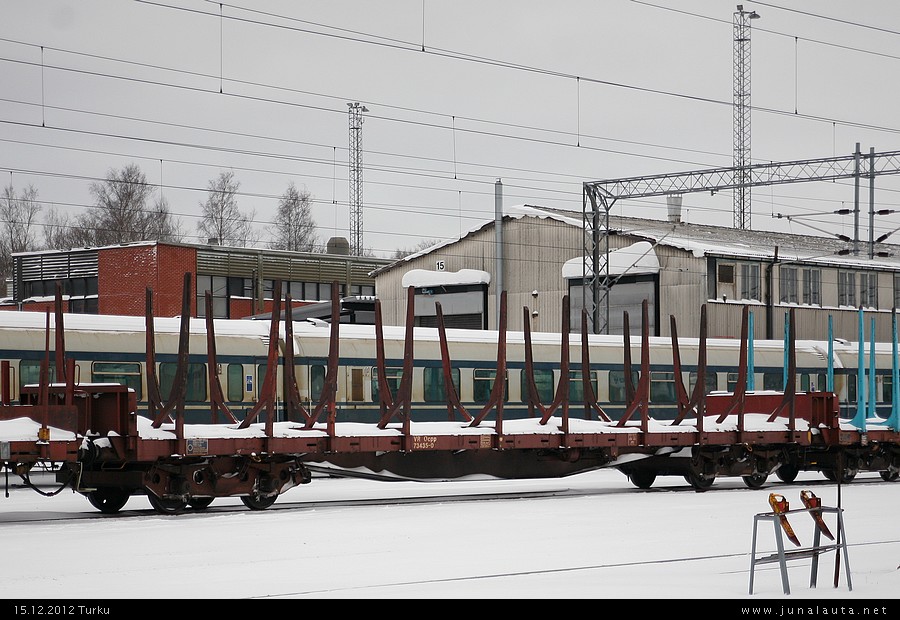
498 245
673 204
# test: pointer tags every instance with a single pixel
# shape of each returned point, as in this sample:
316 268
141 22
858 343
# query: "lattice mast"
356 180
742 116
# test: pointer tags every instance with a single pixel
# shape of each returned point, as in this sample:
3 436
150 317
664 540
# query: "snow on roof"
123 323
636 258
425 277
92 248
704 240
511 212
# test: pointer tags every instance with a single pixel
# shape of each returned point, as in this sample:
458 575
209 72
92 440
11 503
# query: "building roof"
353 309
706 240
212 247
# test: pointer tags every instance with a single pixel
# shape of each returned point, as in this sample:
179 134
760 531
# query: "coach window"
812 383
316 382
125 374
483 384
543 381
662 387
434 384
393 376
731 381
617 392
30 373
851 387
773 381
235 381
887 392
576 386
196 381
710 379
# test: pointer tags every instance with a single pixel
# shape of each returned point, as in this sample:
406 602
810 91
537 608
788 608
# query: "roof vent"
338 245
673 204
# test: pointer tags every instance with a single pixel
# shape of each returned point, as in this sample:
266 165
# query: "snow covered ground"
598 537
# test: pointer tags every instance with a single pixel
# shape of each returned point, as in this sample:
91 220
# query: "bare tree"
165 226
61 231
424 244
56 226
17 221
294 228
222 220
124 211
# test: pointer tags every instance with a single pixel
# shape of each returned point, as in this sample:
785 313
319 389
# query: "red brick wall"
127 271
38 306
239 307
174 262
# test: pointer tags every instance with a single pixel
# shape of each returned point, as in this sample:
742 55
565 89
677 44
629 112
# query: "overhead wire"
453 54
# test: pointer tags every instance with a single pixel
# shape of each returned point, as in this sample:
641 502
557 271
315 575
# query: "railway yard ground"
592 536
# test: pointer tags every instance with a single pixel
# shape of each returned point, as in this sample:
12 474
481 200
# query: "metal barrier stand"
814 551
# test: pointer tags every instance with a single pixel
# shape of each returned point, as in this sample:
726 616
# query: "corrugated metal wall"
284 266
536 249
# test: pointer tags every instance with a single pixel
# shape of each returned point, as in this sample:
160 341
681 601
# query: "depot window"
788 285
846 288
750 281
812 287
868 290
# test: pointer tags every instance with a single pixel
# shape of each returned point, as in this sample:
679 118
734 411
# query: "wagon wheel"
255 501
200 503
889 475
108 500
700 482
831 474
642 478
787 472
167 506
755 481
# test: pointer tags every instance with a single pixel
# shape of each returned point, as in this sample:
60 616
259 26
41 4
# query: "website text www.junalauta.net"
789 611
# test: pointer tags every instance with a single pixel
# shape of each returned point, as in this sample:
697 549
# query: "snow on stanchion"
109 450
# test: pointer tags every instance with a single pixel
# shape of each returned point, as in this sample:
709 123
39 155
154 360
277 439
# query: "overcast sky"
543 96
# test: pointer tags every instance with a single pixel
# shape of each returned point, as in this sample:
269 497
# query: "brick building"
114 279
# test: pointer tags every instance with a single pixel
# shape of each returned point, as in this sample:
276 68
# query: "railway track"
81 508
